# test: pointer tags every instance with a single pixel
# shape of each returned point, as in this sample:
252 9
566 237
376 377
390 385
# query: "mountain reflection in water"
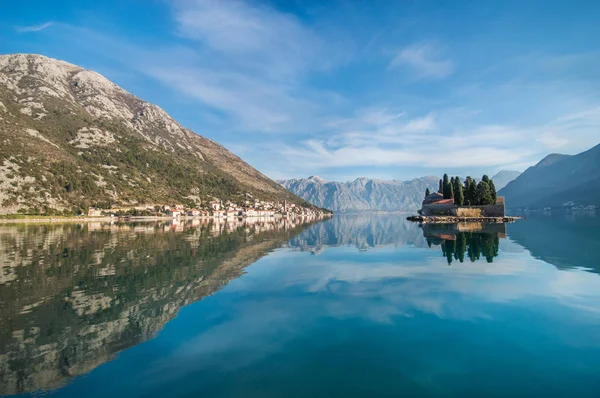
353 306
71 296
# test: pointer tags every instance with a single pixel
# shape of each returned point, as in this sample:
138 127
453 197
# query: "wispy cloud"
247 61
302 102
250 34
33 28
433 141
425 60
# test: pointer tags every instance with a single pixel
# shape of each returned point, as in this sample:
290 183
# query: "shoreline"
9 219
456 219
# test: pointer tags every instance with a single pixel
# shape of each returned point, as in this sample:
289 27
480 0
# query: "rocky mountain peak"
90 141
363 194
317 179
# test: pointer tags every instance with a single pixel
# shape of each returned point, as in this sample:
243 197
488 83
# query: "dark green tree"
427 192
485 179
467 200
441 188
493 190
472 192
459 197
446 187
483 195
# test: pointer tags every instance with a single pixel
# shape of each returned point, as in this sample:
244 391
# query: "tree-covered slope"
70 138
557 181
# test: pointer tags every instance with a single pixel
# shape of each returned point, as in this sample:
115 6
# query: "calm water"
349 307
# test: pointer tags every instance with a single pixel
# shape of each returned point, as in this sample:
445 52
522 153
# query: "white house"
175 213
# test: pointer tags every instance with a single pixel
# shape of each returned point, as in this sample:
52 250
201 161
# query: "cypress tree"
483 194
493 191
451 190
485 179
459 197
446 187
441 188
427 192
472 192
467 201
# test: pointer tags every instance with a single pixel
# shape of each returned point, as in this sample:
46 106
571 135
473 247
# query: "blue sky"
343 89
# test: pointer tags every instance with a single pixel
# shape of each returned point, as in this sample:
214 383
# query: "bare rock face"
363 194
79 139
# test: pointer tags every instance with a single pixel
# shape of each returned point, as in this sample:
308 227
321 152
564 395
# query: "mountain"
503 177
557 181
70 138
362 194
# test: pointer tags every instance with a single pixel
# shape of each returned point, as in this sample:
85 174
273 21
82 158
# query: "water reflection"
472 240
565 240
362 231
353 306
71 296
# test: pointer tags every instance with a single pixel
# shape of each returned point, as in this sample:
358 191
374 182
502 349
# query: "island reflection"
473 241
72 296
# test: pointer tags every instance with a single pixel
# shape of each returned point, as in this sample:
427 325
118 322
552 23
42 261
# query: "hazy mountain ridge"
503 177
362 194
558 181
70 137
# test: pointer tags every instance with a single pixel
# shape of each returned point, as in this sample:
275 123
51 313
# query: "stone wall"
439 210
495 210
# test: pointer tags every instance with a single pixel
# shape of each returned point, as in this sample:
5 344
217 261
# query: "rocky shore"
455 219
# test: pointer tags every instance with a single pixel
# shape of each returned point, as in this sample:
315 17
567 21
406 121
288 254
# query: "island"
458 201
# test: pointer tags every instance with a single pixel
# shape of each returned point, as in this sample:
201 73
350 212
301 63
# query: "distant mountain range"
557 181
367 194
362 194
70 138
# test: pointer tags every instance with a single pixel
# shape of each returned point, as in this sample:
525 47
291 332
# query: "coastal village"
217 209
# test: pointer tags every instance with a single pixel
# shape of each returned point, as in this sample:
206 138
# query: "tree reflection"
459 241
72 296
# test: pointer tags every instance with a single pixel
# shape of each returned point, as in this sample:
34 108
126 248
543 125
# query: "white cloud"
33 28
249 34
253 68
246 60
379 138
425 61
